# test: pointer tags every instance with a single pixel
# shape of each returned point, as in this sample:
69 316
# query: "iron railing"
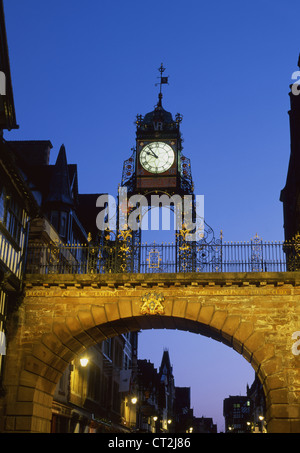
122 256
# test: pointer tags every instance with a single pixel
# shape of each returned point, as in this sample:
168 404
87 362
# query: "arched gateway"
61 315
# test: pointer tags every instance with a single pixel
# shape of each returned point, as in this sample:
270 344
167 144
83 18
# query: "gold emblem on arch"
152 304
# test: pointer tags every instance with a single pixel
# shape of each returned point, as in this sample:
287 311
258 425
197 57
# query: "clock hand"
151 153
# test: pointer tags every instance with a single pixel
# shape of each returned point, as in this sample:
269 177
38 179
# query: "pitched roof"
165 369
32 152
147 373
8 164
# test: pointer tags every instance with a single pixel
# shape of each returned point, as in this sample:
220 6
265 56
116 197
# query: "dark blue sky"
81 73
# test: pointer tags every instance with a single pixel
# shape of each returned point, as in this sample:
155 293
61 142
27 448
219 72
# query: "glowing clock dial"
157 157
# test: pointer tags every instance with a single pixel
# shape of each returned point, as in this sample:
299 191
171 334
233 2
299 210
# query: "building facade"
156 396
290 194
247 413
237 413
17 205
204 425
258 405
183 411
88 398
91 396
149 393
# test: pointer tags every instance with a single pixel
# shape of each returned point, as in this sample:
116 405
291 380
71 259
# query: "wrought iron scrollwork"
119 250
122 252
186 175
128 175
256 254
54 256
124 245
154 258
185 251
202 255
292 251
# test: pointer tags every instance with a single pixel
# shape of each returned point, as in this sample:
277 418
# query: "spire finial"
163 80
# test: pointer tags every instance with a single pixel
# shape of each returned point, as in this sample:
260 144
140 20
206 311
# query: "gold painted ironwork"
154 259
125 239
292 250
184 248
182 235
152 304
296 241
54 256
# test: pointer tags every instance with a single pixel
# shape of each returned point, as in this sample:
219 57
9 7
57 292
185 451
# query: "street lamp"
153 425
261 419
84 361
132 412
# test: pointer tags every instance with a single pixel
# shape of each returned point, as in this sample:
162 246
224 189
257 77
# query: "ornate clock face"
157 157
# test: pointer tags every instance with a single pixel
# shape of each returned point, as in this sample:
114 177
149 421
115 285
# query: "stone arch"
51 355
76 322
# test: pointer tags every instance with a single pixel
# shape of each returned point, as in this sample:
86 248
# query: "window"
107 349
118 355
59 220
11 215
14 219
63 224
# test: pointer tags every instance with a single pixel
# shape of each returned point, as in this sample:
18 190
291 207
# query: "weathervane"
163 80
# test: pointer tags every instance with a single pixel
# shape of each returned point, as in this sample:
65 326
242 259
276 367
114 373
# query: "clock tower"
156 169
157 164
